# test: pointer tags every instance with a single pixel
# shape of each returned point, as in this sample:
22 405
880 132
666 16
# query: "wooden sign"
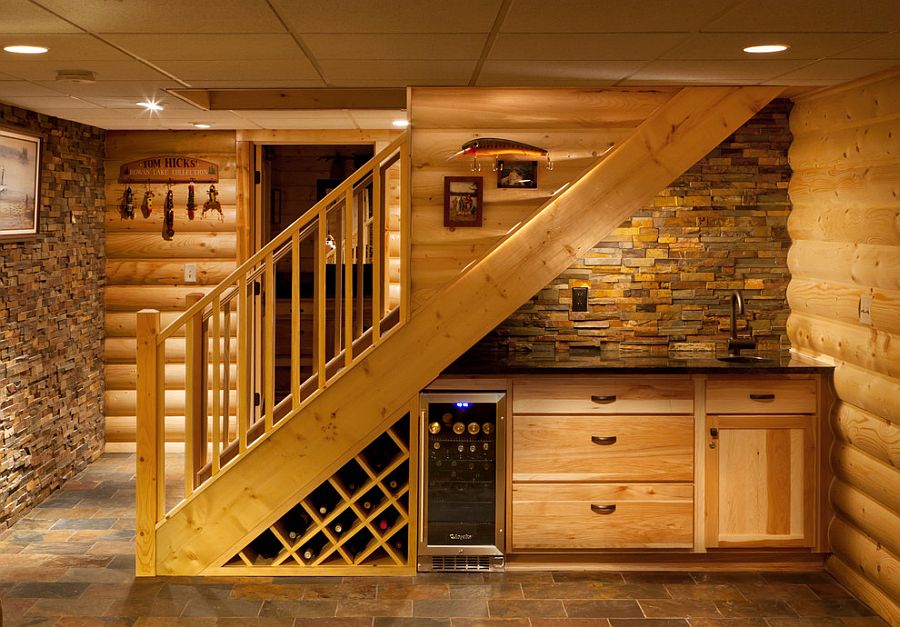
169 170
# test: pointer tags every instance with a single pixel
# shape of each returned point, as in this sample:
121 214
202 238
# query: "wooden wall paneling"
821 222
858 584
874 561
868 265
840 302
874 143
850 104
171 272
869 475
207 245
867 514
869 433
868 390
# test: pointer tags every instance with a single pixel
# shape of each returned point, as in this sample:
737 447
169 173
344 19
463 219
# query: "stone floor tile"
603 609
468 608
394 621
864 621
322 608
705 591
61 607
192 621
830 607
222 608
47 590
268 591
563 576
95 621
188 591
806 577
515 577
254 622
98 575
486 591
138 607
374 607
83 523
659 577
819 621
593 590
569 622
648 622
780 591
133 590
728 622
431 591
729 578
490 622
526 608
753 609
333 622
341 591
679 608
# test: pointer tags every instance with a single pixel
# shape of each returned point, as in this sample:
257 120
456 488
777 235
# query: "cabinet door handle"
762 397
603 440
603 509
604 400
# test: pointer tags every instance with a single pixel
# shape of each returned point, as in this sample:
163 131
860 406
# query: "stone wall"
51 320
660 285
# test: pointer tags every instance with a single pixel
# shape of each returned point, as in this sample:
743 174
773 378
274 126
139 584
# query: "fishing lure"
169 215
191 205
497 147
147 203
213 203
128 204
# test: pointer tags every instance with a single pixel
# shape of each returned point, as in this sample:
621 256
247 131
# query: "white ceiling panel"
885 47
168 16
808 16
709 72
300 123
583 46
66 49
40 103
388 16
396 46
39 70
731 45
559 72
836 70
20 16
611 16
132 90
276 69
12 88
226 83
398 73
208 47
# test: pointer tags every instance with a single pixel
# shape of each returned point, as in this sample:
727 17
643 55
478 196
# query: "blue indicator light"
462 404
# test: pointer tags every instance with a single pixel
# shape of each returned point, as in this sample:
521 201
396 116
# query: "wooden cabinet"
602 463
760 466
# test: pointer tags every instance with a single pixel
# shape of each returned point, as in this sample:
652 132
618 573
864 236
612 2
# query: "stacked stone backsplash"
660 285
51 320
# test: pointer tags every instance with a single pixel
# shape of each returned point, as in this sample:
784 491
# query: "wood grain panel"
863 589
869 390
559 516
184 246
155 272
163 298
154 224
874 143
575 395
811 220
123 376
121 429
869 433
122 350
872 560
875 478
438 107
868 515
124 402
840 302
750 395
848 105
561 448
867 265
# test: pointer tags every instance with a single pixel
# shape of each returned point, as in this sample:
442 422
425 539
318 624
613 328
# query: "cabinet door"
760 481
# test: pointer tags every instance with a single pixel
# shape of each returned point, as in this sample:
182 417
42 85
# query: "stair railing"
270 336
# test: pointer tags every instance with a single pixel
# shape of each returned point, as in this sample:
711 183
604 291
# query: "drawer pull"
603 509
762 397
604 400
603 440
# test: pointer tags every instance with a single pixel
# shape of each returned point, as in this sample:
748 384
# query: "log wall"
146 271
846 230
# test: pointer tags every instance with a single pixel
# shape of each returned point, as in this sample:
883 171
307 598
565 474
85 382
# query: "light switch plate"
865 309
190 273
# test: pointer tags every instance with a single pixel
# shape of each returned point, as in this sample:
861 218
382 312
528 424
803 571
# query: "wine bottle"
324 499
313 548
297 521
386 521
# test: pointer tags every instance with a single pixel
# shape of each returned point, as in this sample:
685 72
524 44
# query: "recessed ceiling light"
202 125
400 123
766 48
150 105
26 49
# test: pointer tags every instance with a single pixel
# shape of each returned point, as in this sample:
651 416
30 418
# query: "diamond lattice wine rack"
357 518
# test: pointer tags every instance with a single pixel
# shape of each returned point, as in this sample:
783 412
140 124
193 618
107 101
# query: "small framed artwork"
463 200
518 174
20 169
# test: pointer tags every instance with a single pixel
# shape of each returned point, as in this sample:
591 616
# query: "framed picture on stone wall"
20 169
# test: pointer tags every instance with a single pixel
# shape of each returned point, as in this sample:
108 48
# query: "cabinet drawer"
760 395
602 395
563 516
603 448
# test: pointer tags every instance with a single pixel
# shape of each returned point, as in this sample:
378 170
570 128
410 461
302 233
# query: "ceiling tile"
559 72
26 17
271 83
40 103
731 45
275 69
396 46
67 48
398 73
885 47
305 114
206 47
610 16
836 70
12 88
300 123
132 90
169 16
388 16
739 72
39 70
809 16
581 46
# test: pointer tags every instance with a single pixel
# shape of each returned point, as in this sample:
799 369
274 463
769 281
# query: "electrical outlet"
190 273
865 309
579 299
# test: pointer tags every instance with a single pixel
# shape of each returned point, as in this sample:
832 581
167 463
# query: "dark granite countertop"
484 363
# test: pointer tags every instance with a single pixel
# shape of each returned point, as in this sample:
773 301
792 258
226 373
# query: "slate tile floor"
70 561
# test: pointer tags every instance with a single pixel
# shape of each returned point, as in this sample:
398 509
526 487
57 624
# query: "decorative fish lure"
497 147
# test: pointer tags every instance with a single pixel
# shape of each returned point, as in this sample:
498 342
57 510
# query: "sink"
745 359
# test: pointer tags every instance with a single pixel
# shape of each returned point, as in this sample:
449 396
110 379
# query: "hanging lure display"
127 209
213 203
191 204
169 215
147 202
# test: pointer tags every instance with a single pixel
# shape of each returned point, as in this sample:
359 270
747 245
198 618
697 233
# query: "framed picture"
20 168
519 174
463 201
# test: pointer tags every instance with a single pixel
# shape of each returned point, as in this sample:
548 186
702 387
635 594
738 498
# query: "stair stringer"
228 511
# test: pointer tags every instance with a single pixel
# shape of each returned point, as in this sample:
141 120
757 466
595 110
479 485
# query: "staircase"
262 487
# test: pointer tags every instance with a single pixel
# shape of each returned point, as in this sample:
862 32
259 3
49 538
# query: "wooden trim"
348 279
405 232
319 314
329 136
711 469
700 474
864 589
243 200
148 435
268 372
217 428
195 395
295 319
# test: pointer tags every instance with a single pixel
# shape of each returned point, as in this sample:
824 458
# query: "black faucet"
736 344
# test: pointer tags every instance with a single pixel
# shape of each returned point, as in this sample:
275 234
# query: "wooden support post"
319 358
348 279
378 278
296 339
148 434
268 365
405 230
216 384
244 365
195 394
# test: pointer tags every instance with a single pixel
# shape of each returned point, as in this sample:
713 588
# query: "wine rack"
359 517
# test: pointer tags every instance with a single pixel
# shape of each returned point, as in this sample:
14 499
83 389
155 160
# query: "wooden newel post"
195 418
148 434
